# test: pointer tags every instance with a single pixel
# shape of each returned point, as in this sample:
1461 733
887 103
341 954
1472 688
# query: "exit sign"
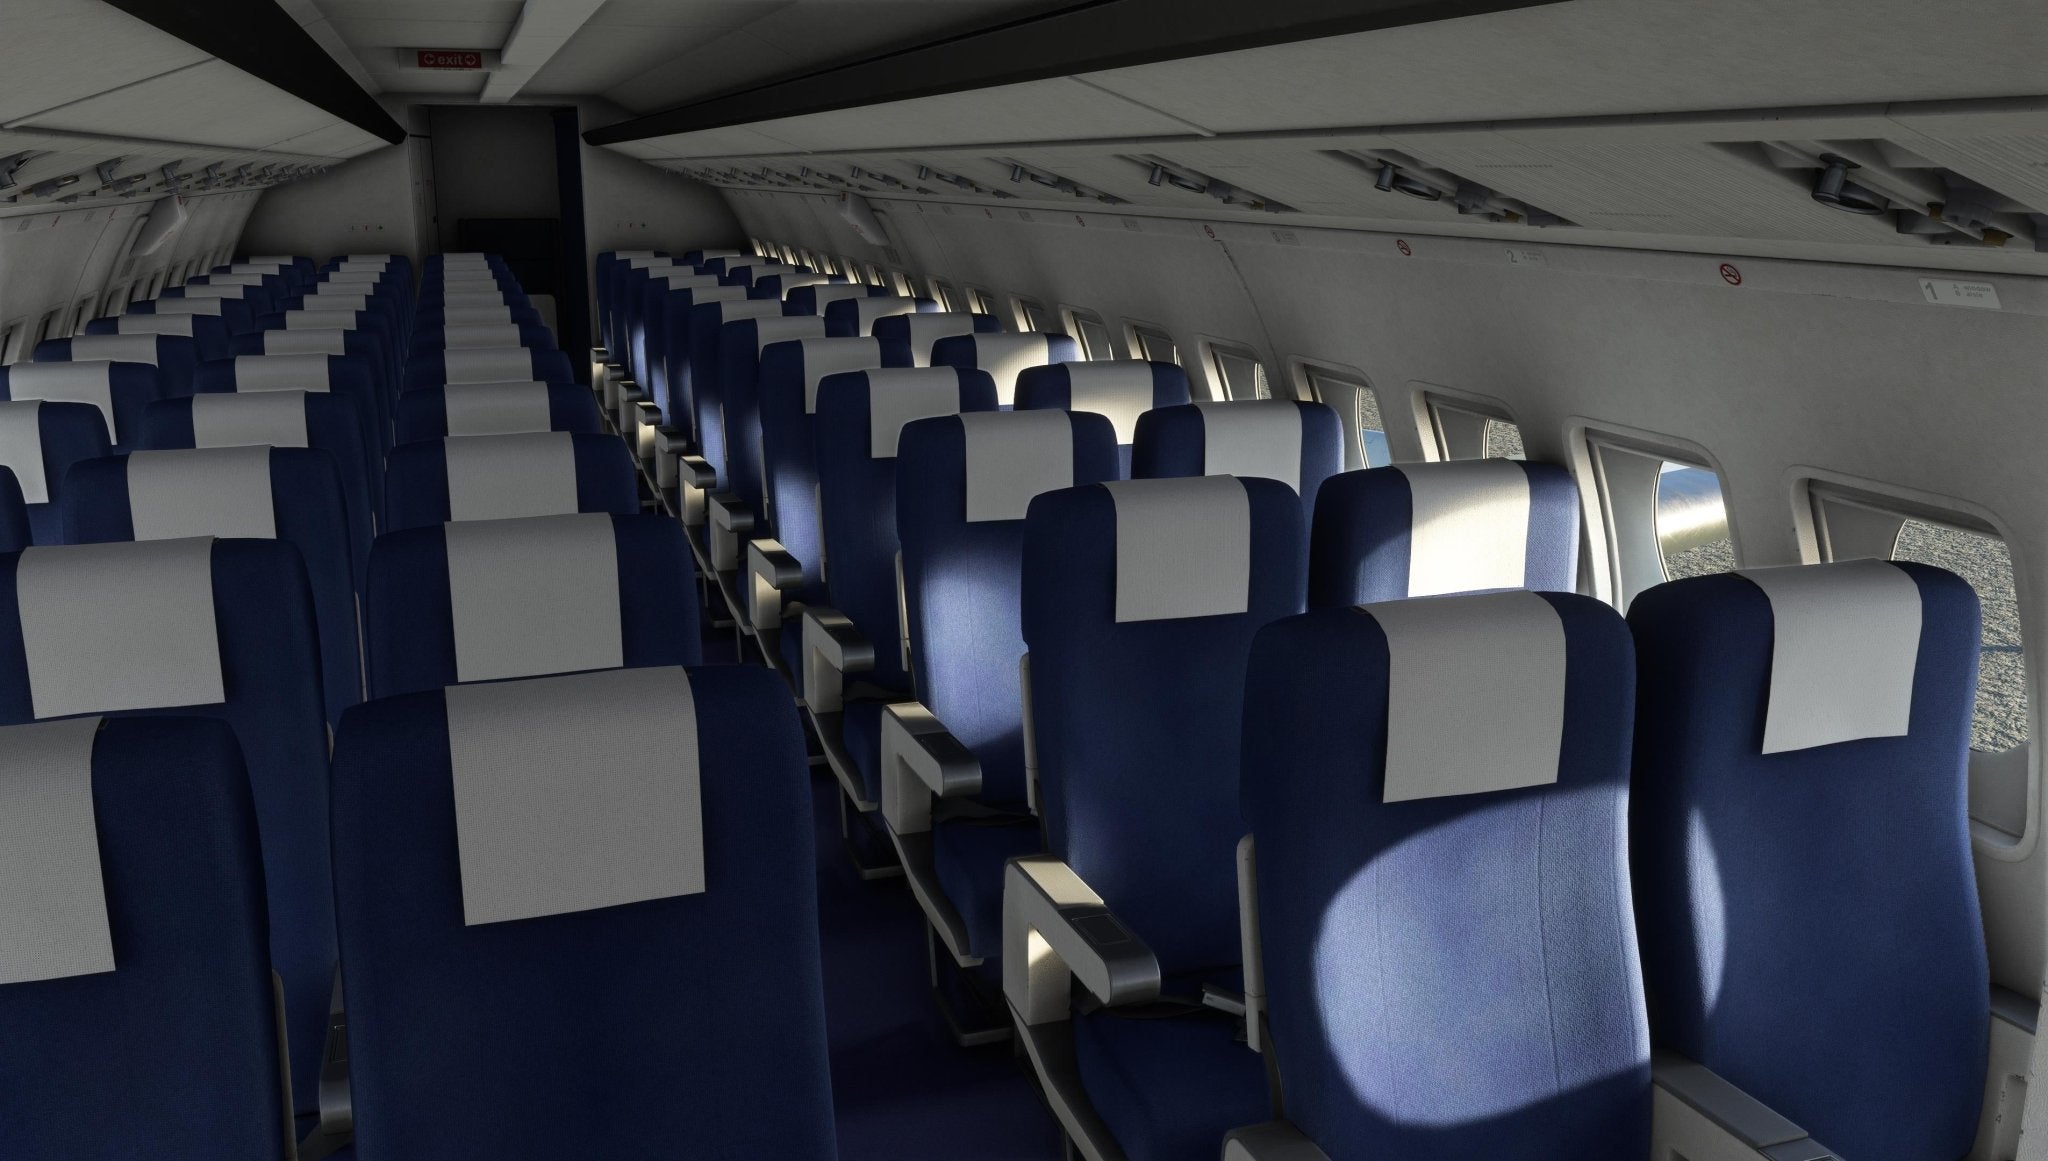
450 58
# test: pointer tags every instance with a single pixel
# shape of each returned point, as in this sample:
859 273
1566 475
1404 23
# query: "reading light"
1832 187
43 189
1391 178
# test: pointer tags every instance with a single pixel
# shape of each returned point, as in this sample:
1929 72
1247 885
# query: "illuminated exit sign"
450 58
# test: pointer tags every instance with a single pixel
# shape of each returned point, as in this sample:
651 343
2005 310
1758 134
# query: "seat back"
1298 443
861 415
347 377
964 483
39 441
854 316
681 966
503 477
135 945
1438 794
1140 602
751 274
788 390
119 390
779 286
174 356
492 599
1005 356
234 314
816 297
495 409
706 389
297 337
291 494
665 319
217 628
1120 390
486 365
471 337
1801 835
1422 530
922 331
648 324
740 344
209 333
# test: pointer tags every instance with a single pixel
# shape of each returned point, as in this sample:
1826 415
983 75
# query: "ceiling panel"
211 103
39 76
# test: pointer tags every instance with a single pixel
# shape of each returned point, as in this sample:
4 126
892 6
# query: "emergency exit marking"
450 58
1730 275
1949 292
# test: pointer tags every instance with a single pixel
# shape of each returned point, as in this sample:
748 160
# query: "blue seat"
1300 444
395 318
1801 846
1005 356
679 975
209 333
626 280
269 286
740 344
749 273
218 628
15 533
1422 530
347 377
487 365
300 340
235 315
240 305
428 317
331 314
605 270
658 350
920 331
781 286
495 409
818 296
291 494
428 340
1437 794
788 389
501 477
289 419
174 1051
854 316
860 415
1119 389
462 601
1140 602
173 356
964 483
119 390
39 441
705 390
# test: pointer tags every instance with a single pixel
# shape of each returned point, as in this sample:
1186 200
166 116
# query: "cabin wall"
367 204
1803 370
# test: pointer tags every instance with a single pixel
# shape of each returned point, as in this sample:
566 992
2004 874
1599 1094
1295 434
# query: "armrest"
771 571
1735 1113
833 648
1056 929
921 759
730 520
669 442
697 472
647 422
1272 1141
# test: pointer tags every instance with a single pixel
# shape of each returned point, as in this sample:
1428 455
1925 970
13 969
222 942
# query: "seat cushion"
1170 1088
861 733
967 858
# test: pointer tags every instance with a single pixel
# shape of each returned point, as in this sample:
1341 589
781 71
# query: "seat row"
1045 712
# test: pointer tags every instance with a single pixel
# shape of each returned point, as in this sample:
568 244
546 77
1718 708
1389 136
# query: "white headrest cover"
699 295
1253 438
1013 456
496 408
222 491
1005 356
1845 643
927 328
769 270
115 348
235 278
270 260
69 382
21 448
736 310
204 290
824 357
901 395
500 477
273 418
476 316
1120 391
108 627
188 306
825 294
479 337
281 372
1468 526
153 324
474 298
867 309
261 266
782 328
685 278
1475 694
486 364
364 262
329 302
792 281
534 596
558 808
53 903
1183 548
649 261
353 274
305 342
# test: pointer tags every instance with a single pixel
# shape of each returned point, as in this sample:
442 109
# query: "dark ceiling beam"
261 39
1090 37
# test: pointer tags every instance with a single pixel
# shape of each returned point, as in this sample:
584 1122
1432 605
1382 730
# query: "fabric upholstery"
416 481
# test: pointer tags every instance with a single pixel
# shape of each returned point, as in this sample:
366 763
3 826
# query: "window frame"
1213 352
1076 319
1623 552
1309 376
1430 398
82 314
942 292
1135 334
983 301
1022 309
